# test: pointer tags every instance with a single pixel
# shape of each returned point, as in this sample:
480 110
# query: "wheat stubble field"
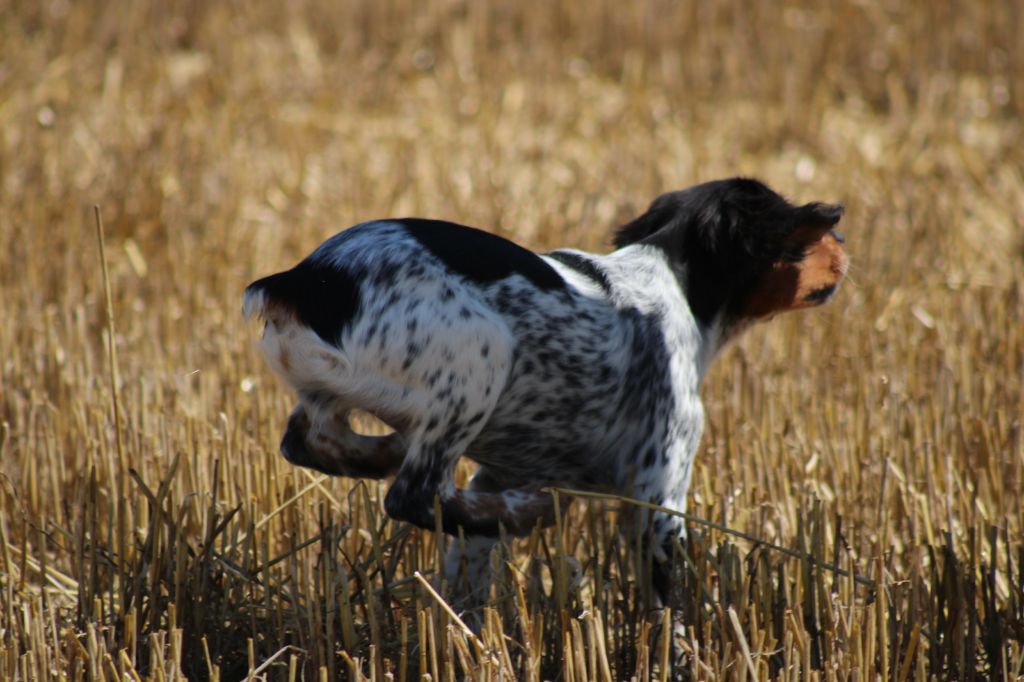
149 528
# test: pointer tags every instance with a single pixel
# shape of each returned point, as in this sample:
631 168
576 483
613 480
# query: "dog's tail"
264 293
323 296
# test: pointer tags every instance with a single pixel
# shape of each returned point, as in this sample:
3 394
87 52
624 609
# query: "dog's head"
741 252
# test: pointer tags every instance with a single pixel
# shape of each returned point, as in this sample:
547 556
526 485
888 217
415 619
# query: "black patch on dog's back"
584 266
480 256
324 297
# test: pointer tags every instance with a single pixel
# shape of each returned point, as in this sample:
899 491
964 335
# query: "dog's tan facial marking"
804 283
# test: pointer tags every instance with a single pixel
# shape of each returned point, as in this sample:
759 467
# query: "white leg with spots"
467 569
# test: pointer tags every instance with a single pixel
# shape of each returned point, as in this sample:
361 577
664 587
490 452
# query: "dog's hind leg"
428 472
327 443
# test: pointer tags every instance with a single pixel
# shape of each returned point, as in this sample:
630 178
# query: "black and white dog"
564 369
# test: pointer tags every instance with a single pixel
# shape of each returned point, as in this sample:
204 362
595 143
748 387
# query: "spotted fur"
569 369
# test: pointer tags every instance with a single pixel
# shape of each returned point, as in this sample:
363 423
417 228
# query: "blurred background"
223 141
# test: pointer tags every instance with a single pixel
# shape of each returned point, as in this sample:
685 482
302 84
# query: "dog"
562 369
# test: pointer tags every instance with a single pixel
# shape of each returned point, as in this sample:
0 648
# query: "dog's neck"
652 270
716 336
709 298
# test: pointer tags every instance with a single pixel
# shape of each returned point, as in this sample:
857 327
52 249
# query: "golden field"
149 528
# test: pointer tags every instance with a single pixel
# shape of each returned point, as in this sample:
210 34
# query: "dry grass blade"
466 630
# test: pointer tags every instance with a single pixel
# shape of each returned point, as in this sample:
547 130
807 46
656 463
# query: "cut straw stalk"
717 526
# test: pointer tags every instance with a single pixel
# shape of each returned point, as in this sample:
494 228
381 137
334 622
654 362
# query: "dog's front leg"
468 562
468 573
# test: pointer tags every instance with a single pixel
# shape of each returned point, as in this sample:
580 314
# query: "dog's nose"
839 236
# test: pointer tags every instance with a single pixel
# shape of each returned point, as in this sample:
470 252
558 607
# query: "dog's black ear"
656 217
817 214
666 213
